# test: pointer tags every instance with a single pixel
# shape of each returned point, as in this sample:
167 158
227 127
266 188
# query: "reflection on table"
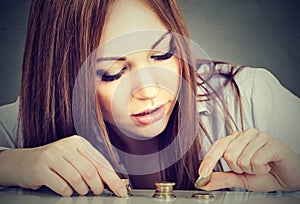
43 196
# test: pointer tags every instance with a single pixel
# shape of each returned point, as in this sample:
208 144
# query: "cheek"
105 95
174 78
112 100
177 67
172 64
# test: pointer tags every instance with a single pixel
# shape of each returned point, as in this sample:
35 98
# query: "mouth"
150 116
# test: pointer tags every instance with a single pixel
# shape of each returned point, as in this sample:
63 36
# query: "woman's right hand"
68 164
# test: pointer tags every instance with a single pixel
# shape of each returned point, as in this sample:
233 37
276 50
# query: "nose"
145 92
146 84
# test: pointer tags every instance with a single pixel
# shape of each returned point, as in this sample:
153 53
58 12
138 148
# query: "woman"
143 101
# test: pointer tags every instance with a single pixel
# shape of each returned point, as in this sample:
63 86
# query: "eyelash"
108 78
165 56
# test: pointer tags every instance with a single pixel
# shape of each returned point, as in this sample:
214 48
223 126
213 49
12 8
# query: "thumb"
221 180
251 182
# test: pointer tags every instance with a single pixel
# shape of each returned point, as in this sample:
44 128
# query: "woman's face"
137 70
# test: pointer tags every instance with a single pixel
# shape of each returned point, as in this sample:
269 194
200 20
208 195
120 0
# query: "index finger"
214 154
104 169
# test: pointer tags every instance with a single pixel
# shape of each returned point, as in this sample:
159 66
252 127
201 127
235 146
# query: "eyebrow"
124 58
160 39
111 59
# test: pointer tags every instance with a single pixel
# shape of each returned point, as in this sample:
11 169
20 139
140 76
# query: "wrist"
9 158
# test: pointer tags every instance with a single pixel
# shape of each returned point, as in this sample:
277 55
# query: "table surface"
43 196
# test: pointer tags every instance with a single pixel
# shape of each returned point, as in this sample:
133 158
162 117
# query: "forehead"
129 16
134 42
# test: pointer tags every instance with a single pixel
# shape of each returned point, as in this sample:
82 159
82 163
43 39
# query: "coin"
127 184
202 195
125 181
164 190
164 186
202 181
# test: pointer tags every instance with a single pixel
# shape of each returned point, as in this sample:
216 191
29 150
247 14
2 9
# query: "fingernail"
205 172
123 192
202 181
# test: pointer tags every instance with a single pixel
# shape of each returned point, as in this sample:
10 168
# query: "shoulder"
274 109
259 82
9 110
9 118
250 80
10 107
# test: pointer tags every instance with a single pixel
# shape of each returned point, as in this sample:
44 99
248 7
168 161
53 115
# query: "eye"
165 56
110 77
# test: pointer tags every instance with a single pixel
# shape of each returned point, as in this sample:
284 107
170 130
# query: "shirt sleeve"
275 109
9 115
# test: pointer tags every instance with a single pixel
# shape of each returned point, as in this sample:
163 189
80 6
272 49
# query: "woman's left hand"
258 162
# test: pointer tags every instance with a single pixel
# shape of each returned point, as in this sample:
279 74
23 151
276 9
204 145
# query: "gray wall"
260 33
13 23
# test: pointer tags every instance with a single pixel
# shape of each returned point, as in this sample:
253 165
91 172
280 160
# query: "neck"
132 145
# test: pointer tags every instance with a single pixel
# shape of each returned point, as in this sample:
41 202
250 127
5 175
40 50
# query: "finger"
63 168
87 170
222 180
276 151
262 158
236 148
105 170
256 145
57 184
214 154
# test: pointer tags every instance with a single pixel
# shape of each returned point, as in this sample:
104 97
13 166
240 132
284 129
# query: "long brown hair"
61 36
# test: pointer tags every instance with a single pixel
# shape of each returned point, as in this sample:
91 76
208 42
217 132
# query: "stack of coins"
164 190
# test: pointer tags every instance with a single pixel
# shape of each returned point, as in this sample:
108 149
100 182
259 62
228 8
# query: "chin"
145 133
152 131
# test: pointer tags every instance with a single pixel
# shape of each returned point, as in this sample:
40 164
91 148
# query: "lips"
148 117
